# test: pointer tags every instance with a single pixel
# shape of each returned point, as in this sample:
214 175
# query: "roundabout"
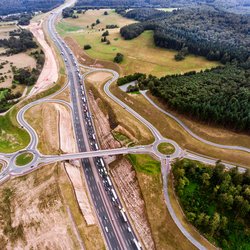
24 159
166 148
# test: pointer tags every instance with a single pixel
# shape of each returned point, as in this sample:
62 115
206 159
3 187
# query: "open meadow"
140 54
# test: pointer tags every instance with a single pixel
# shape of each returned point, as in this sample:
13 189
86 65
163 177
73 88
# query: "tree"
118 58
97 21
214 223
105 13
106 33
86 47
67 12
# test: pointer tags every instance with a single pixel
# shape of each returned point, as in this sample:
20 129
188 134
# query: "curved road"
187 129
118 240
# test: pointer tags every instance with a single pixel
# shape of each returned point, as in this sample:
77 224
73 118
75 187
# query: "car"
129 229
106 229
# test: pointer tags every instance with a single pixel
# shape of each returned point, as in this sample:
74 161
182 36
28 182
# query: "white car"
106 229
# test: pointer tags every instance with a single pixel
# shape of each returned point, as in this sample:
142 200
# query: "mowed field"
141 55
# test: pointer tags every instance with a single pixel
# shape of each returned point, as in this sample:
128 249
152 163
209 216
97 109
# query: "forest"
218 96
19 41
215 35
237 6
215 201
18 6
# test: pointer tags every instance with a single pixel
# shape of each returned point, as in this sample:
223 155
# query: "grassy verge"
24 159
165 233
172 130
166 148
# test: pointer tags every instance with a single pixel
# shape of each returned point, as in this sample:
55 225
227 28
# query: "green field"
141 55
24 159
166 148
145 164
12 137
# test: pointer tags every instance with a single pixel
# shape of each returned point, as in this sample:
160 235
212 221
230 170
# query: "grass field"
166 148
165 233
145 164
141 55
12 137
24 159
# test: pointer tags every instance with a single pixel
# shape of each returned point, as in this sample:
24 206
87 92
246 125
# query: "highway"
106 202
104 197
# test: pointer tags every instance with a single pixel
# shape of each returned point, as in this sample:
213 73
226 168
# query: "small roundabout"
24 159
166 148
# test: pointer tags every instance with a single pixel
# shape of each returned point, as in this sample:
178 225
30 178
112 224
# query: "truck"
109 182
123 215
102 162
113 193
137 244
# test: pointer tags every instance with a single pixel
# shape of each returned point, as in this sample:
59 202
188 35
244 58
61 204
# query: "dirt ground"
53 124
38 217
135 130
81 194
99 77
49 74
67 138
126 181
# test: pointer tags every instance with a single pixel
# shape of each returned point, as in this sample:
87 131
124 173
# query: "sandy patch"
67 138
49 74
38 207
99 77
80 192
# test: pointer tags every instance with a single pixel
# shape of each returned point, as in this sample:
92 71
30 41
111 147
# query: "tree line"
216 201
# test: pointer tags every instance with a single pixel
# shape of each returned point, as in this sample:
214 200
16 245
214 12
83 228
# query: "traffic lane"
98 203
73 98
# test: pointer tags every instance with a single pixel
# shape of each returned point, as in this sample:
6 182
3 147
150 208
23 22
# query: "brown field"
64 95
53 125
138 130
20 60
170 129
5 28
43 213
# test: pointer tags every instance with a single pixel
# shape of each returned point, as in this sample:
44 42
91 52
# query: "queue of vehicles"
99 162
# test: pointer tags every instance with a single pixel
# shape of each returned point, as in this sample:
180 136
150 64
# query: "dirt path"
49 74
